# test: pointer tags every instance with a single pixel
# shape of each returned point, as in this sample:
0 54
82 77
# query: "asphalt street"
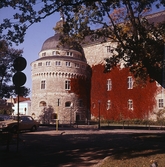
49 147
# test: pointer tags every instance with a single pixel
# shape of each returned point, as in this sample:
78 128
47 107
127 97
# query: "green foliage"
139 42
7 56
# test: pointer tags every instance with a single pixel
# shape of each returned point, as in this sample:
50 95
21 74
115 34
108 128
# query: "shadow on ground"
66 148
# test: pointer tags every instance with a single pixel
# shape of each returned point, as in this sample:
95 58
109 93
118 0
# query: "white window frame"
108 104
109 84
68 64
160 103
48 63
130 104
67 85
58 63
69 54
130 82
43 84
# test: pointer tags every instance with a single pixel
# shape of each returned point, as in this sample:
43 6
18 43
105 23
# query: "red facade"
141 96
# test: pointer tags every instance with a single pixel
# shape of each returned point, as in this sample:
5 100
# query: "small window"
68 104
58 63
77 65
40 64
68 64
34 65
109 84
130 82
42 104
69 54
54 53
130 104
67 85
42 84
160 103
43 54
48 63
108 104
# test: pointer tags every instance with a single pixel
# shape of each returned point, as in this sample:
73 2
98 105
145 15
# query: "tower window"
48 63
43 54
42 84
58 63
40 64
42 103
55 53
68 104
68 64
69 54
67 85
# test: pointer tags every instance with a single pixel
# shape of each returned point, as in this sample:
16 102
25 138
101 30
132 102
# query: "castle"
68 84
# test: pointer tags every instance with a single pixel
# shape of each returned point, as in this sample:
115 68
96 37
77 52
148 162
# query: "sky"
34 39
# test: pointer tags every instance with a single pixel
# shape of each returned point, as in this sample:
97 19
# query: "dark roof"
54 43
65 58
156 18
21 99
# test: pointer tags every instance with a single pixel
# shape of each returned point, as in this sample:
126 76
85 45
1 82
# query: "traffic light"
19 78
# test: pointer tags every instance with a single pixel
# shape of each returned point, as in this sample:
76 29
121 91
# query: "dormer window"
69 54
54 53
43 54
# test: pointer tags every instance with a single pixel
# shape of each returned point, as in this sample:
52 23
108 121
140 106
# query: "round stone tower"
60 83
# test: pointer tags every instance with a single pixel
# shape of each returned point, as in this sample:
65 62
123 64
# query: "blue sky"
34 38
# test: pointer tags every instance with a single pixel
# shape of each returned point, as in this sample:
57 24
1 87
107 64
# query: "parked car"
4 117
25 123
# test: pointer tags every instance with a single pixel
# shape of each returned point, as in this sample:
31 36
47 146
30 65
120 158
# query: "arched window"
42 104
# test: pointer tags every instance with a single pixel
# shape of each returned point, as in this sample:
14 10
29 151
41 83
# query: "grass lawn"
151 149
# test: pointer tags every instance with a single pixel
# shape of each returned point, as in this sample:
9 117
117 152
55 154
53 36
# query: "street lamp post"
99 115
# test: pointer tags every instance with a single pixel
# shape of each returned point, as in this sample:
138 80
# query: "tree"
138 42
7 56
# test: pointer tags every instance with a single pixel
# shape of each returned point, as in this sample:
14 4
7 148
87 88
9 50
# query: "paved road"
71 148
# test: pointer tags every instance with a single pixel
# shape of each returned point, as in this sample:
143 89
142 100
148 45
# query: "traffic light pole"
18 121
19 79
